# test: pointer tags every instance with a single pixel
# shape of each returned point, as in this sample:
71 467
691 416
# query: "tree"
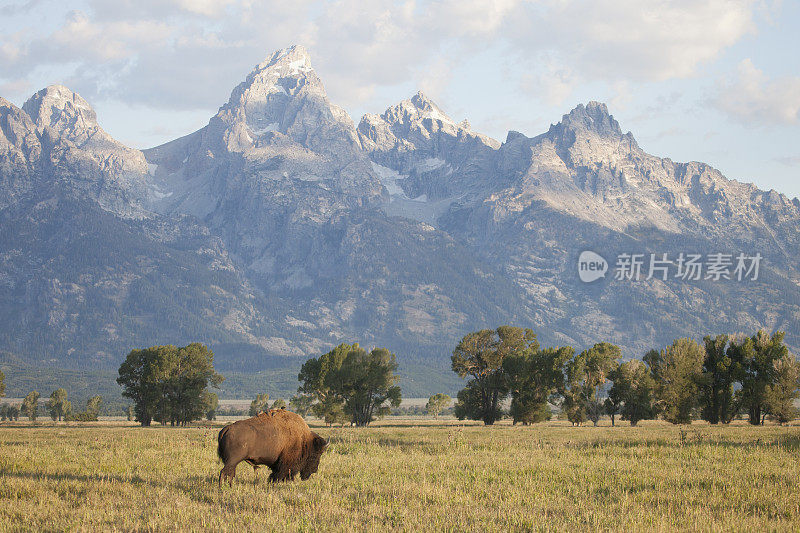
780 395
58 405
9 412
368 384
279 404
259 404
480 355
574 408
616 394
470 403
301 404
30 406
331 411
210 405
318 382
188 373
757 356
131 415
633 391
437 403
535 376
93 405
138 377
678 374
91 413
350 380
586 374
720 372
5 409
652 359
166 383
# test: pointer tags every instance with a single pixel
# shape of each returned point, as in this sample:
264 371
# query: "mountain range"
282 228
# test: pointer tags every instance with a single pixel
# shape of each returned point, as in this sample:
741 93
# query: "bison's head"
318 445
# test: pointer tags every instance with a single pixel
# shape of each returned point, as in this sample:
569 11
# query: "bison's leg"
255 469
232 453
280 471
255 466
228 472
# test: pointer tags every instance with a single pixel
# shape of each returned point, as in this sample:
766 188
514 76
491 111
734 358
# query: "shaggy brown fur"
278 438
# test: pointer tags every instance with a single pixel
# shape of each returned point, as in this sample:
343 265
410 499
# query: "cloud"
17 86
621 95
754 99
436 77
470 18
18 7
646 41
188 54
172 54
674 131
621 42
552 82
376 43
789 161
104 10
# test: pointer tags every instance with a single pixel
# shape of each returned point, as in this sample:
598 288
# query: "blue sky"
716 81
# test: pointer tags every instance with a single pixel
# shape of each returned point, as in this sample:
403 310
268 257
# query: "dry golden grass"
409 475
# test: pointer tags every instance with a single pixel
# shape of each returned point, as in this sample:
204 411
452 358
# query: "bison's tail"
221 443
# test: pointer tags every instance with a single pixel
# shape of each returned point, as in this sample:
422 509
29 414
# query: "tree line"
58 406
715 381
725 376
170 385
7 412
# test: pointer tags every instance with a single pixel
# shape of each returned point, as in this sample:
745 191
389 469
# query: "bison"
278 438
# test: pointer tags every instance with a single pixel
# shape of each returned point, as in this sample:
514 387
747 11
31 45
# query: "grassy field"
409 475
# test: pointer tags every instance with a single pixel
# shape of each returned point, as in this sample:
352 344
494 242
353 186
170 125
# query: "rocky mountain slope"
613 198
281 228
87 267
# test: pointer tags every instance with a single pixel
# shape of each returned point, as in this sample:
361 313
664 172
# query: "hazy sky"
715 81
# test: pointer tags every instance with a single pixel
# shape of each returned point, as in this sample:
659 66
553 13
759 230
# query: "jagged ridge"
299 230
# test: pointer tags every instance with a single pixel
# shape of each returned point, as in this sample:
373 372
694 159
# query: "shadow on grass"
789 441
347 443
680 439
687 439
188 485
405 424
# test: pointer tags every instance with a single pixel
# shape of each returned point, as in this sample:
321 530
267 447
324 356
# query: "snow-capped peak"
281 97
56 105
428 109
417 108
65 115
418 113
283 74
290 61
